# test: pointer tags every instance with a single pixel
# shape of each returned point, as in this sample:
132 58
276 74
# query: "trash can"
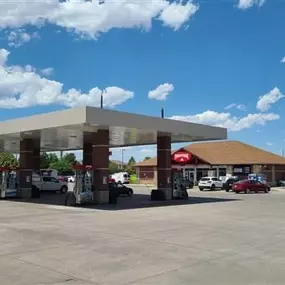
113 196
36 193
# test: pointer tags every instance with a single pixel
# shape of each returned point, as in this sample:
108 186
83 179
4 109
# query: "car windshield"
205 179
241 181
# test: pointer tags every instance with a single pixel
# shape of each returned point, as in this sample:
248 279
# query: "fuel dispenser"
8 182
179 186
83 192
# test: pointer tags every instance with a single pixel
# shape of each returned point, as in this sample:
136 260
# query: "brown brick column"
164 165
29 161
100 164
87 153
37 154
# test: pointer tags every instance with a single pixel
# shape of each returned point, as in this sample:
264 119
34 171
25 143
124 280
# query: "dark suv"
229 183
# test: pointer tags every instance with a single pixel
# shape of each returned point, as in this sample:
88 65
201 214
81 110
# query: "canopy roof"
65 130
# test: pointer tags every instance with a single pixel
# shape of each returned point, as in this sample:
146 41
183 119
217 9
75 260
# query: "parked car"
229 183
111 180
121 189
280 183
211 183
62 178
48 183
121 177
249 186
71 179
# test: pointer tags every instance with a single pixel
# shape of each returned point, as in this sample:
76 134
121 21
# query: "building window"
201 173
241 169
222 171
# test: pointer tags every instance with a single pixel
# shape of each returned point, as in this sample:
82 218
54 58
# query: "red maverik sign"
181 157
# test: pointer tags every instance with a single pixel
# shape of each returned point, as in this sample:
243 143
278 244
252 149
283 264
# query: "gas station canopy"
66 130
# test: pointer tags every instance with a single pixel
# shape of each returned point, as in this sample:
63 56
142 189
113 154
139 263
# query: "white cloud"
241 107
89 18
234 105
23 87
175 14
283 60
19 37
265 101
230 106
147 150
245 4
228 121
270 143
47 71
3 56
161 92
138 152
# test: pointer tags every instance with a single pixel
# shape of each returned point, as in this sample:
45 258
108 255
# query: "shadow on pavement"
137 201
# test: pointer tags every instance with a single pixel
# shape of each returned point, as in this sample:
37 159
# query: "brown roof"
227 153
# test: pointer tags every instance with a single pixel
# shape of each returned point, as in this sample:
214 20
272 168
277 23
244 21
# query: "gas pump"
179 187
82 191
8 183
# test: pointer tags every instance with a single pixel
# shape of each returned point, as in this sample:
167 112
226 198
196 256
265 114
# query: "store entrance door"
189 175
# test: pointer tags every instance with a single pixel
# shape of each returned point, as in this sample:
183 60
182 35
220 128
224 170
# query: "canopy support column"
164 171
100 164
29 162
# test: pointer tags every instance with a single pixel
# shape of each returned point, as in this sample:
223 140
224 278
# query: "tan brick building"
218 159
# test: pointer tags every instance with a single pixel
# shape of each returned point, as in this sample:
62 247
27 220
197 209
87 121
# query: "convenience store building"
218 158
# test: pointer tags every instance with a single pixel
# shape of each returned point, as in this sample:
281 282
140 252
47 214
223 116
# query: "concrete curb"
142 185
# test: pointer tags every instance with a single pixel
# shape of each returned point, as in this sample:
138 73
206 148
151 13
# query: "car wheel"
201 189
247 191
213 187
227 190
266 190
130 192
119 182
63 189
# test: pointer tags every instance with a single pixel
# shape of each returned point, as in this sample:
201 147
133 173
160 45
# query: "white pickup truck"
49 183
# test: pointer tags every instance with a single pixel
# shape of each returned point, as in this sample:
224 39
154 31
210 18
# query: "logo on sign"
181 157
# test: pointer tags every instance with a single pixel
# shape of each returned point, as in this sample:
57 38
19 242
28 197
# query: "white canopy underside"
65 130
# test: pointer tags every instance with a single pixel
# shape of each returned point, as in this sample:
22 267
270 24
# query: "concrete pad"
218 238
14 272
114 263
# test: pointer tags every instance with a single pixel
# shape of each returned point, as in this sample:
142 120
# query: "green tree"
62 165
7 159
47 159
131 161
147 158
113 167
130 166
70 158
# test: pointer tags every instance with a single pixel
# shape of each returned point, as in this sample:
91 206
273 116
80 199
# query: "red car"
249 186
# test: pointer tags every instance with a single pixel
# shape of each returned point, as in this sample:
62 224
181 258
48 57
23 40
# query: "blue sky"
216 62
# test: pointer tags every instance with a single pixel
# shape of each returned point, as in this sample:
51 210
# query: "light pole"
101 103
122 166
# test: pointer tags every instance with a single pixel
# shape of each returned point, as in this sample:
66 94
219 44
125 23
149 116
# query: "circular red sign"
182 157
